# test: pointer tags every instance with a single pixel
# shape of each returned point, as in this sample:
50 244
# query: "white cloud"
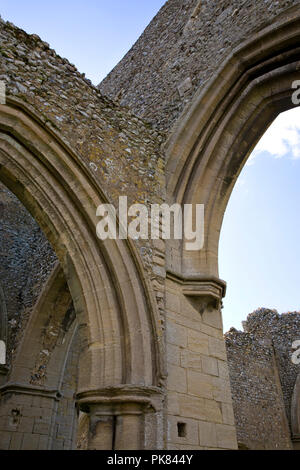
282 137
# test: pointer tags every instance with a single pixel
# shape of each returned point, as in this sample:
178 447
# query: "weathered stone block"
209 365
199 384
191 435
176 334
197 342
30 441
177 379
207 434
226 436
192 407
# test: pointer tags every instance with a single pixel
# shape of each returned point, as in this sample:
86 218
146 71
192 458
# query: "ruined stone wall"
121 150
26 261
123 153
263 377
178 53
181 50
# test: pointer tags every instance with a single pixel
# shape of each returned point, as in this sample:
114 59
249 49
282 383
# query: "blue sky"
259 247
93 34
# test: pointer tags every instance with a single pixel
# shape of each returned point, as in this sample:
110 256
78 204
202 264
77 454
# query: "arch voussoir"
213 138
104 278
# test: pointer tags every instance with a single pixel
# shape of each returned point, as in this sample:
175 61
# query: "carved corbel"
204 293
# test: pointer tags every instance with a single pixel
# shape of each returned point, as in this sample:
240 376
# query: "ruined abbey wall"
122 153
181 50
118 149
144 356
101 132
263 378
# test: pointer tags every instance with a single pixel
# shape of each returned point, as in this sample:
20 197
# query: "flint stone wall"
181 50
263 378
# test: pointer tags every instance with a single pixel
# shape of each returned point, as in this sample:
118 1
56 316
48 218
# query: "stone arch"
215 134
106 280
37 386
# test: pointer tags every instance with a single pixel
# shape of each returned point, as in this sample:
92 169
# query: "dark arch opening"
41 334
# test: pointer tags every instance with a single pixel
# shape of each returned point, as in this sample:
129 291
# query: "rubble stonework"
179 60
26 260
263 378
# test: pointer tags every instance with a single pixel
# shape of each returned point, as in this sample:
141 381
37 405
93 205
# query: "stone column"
200 413
119 417
130 426
101 434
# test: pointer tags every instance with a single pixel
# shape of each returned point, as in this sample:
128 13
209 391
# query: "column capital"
123 417
120 399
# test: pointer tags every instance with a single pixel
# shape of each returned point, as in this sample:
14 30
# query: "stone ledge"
22 389
144 397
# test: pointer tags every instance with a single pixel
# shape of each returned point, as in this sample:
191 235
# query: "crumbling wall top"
181 50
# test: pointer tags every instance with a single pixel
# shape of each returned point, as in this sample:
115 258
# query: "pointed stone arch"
108 287
214 136
206 151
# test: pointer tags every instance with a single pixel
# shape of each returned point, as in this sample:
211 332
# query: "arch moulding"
110 292
216 133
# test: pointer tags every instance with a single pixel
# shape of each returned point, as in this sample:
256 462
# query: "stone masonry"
263 378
